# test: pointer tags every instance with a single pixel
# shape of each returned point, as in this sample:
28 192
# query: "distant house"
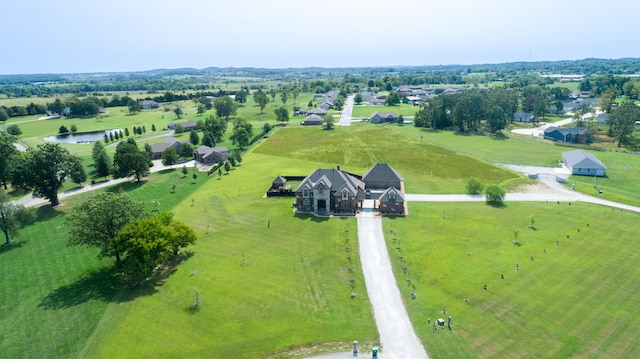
561 134
317 111
376 102
367 95
522 116
171 125
312 120
414 100
159 148
382 176
391 201
189 125
148 104
326 106
210 155
583 163
380 117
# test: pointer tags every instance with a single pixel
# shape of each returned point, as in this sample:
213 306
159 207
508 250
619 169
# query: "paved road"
29 201
347 110
397 337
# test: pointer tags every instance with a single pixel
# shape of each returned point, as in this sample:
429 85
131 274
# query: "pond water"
81 137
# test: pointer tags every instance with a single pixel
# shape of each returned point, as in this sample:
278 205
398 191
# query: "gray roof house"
562 134
522 116
317 111
148 104
210 155
583 163
382 176
380 117
312 120
329 190
391 201
602 117
159 148
189 125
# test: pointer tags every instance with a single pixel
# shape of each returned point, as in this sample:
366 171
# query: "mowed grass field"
292 296
426 168
579 298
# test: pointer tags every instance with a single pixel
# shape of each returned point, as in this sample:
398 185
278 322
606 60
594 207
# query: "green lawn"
426 168
579 298
366 111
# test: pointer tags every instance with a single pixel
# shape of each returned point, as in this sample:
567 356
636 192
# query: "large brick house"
327 191
210 155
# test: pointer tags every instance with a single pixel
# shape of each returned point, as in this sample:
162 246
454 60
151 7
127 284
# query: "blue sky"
63 36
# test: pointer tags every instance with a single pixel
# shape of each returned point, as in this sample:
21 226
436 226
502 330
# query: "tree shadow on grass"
126 186
307 216
46 212
6 247
109 285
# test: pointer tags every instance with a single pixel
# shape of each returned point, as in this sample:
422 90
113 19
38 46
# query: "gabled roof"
162 146
382 172
385 114
317 111
384 197
312 120
279 181
582 159
336 179
206 151
189 123
566 130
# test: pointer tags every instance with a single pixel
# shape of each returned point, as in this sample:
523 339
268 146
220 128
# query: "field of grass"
293 292
366 111
579 298
426 168
292 297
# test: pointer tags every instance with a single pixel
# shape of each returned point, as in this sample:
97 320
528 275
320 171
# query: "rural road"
347 110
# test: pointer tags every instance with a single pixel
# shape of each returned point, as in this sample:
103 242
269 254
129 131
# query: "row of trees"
470 110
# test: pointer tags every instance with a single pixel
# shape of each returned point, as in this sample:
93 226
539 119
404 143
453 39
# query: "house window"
392 196
305 192
345 196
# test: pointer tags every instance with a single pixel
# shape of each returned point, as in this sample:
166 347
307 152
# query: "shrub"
14 130
495 195
474 186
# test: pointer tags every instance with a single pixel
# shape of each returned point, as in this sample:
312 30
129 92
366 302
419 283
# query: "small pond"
81 137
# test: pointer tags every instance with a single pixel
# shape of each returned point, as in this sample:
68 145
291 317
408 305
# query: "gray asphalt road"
347 110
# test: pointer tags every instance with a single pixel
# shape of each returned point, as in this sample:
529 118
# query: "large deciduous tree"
242 133
13 217
225 107
622 121
130 161
7 153
215 127
149 242
97 221
45 170
559 95
261 99
282 114
169 157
